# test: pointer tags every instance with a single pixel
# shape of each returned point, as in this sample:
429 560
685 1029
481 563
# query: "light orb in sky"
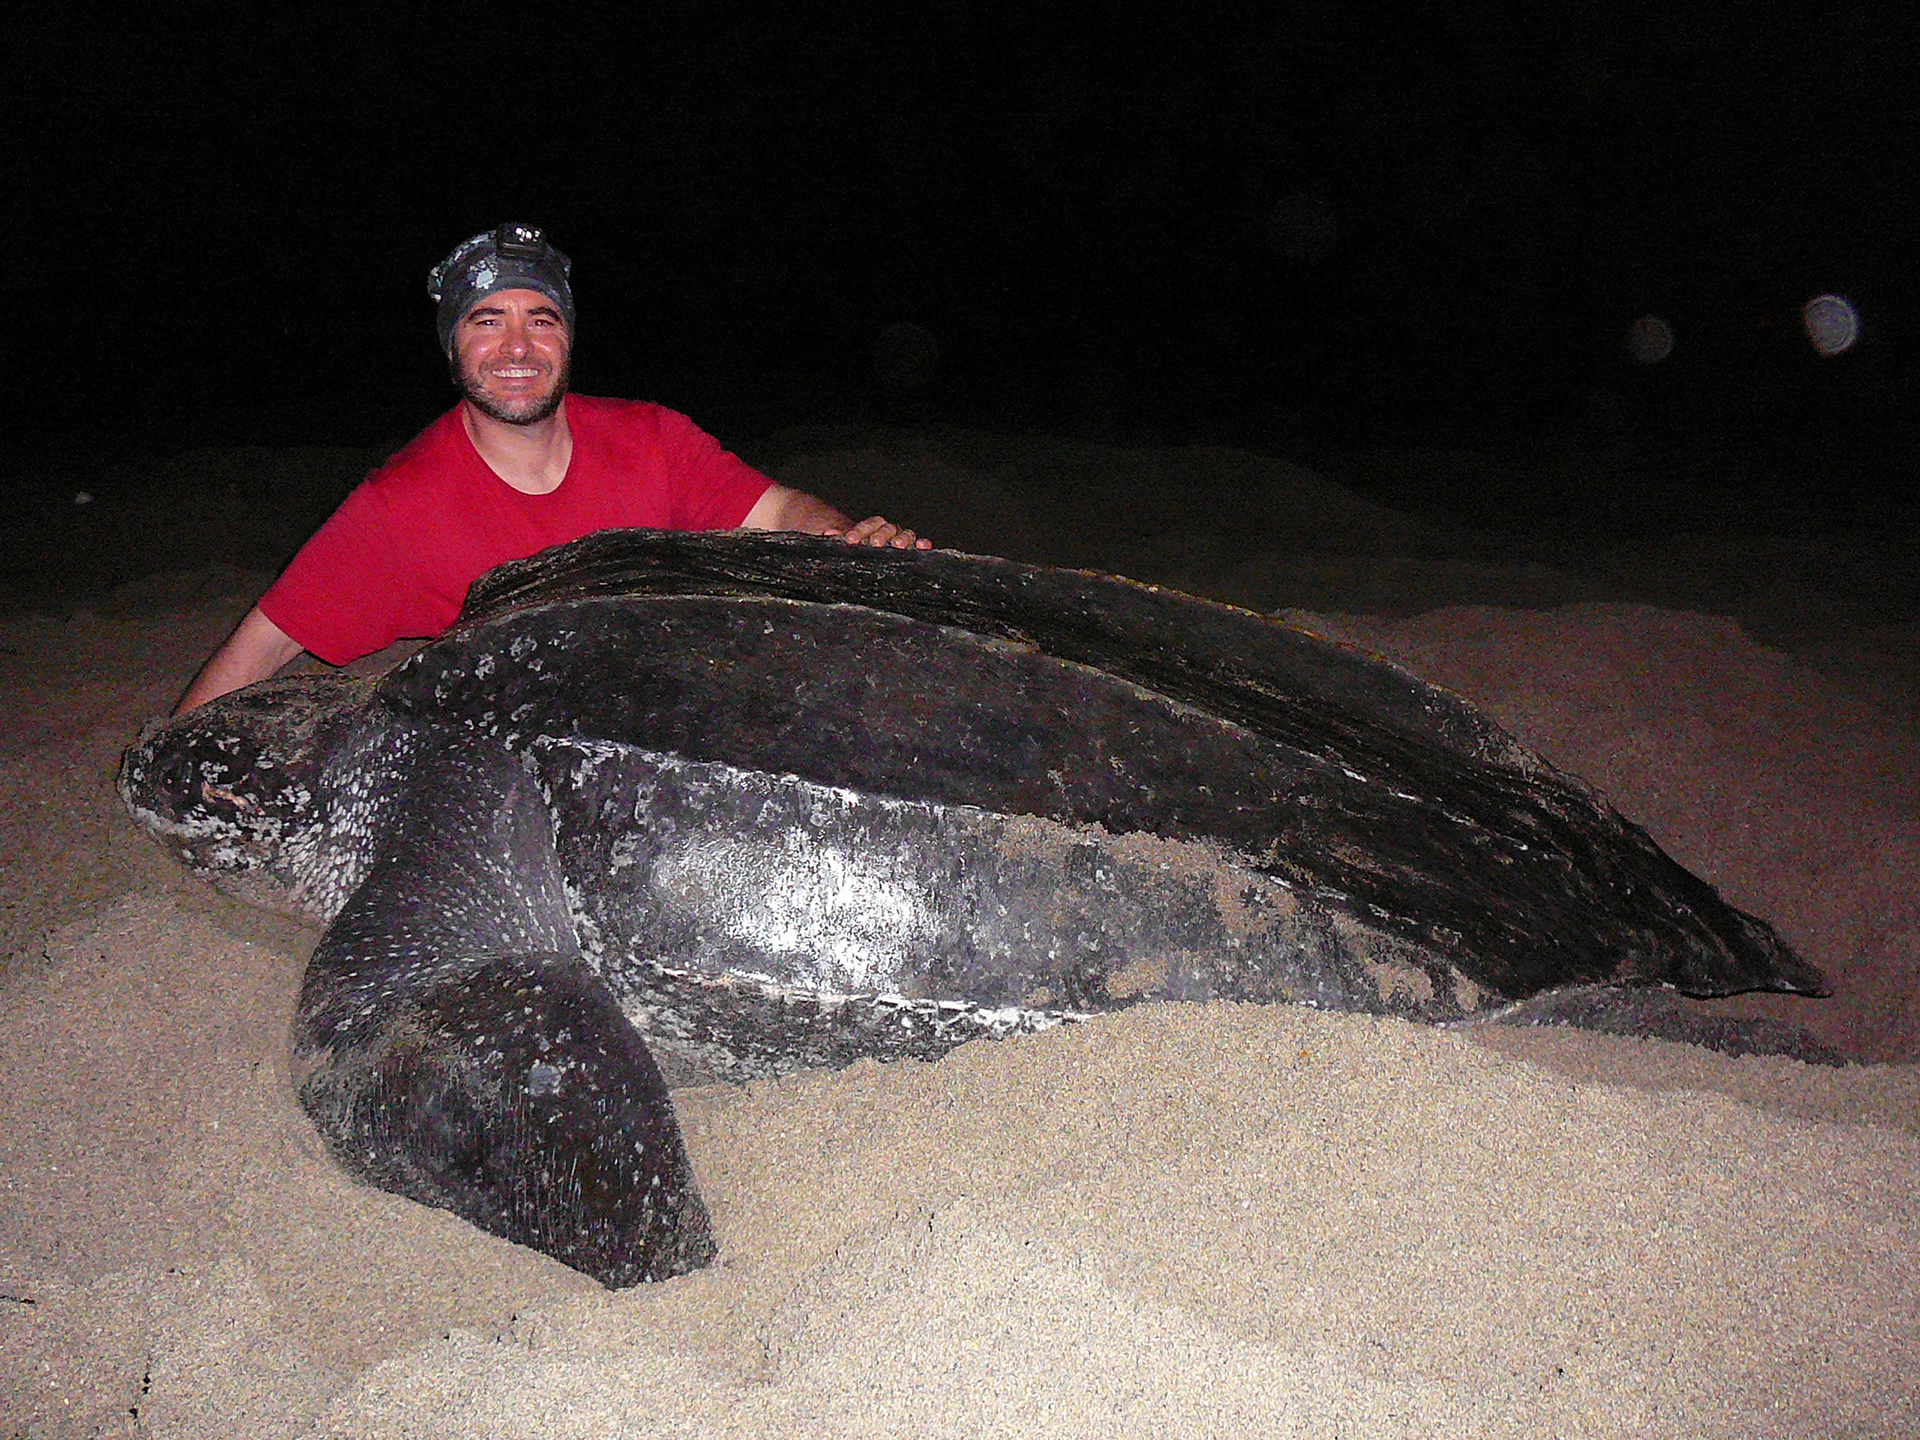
1831 322
1649 339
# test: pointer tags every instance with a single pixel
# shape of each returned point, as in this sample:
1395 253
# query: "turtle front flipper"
455 1048
514 1093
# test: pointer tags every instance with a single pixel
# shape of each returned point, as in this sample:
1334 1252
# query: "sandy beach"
1193 1221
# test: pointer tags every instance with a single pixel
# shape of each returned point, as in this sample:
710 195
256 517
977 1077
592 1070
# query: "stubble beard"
528 412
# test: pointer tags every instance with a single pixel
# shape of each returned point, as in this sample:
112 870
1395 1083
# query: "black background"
1279 225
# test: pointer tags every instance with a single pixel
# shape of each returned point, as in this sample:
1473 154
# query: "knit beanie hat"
513 257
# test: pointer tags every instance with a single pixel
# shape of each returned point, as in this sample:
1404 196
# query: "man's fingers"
880 531
877 530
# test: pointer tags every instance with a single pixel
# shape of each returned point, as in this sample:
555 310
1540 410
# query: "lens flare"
1831 322
1302 228
1649 339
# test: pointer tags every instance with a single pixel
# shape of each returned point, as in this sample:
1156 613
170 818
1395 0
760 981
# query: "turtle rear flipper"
1653 1013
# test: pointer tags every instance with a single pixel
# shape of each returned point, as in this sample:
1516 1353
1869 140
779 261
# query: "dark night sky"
1218 225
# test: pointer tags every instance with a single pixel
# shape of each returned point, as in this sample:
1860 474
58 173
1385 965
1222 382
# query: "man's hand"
784 508
878 530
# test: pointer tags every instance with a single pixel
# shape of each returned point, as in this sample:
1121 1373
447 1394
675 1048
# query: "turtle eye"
170 779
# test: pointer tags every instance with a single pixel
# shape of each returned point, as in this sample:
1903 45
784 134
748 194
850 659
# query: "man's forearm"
256 649
783 508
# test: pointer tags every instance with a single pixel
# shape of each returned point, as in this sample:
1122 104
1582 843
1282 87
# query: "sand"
1196 1221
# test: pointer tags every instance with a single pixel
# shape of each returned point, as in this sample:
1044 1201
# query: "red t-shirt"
398 555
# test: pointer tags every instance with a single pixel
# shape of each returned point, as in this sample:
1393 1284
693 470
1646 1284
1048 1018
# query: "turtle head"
235 788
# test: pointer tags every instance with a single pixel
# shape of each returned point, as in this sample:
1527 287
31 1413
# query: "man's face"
510 357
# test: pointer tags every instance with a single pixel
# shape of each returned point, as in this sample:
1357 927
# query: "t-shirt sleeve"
713 488
341 597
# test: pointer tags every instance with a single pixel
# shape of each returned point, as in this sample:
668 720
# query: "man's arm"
782 508
256 648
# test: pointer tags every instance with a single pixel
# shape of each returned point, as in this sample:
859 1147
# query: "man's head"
513 257
506 322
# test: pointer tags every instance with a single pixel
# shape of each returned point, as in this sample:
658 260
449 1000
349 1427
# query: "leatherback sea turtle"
747 804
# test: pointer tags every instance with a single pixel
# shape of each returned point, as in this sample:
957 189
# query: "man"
518 465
